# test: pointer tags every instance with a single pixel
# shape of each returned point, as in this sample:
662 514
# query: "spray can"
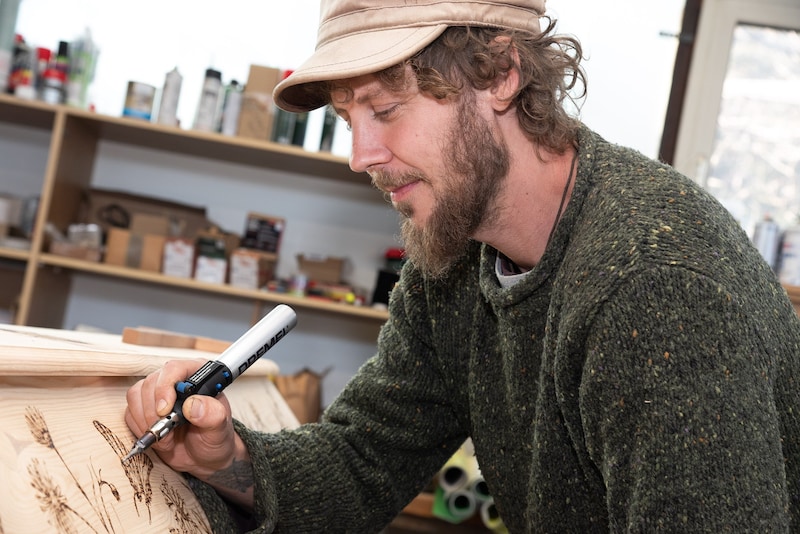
766 238
9 9
42 64
789 270
53 82
61 62
328 130
231 107
170 94
300 125
206 117
21 80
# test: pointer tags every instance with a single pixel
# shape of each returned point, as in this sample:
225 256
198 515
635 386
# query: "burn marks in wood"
54 476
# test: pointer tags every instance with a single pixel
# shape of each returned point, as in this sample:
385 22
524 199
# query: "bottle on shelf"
83 53
42 64
328 129
170 94
9 10
206 117
300 125
284 122
53 82
21 79
61 62
231 108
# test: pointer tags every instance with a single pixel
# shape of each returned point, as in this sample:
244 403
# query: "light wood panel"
63 435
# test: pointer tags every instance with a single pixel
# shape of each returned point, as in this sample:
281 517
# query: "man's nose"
368 148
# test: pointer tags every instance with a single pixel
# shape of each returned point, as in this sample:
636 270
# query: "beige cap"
358 37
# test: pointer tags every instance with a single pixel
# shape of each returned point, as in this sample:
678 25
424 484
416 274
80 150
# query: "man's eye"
385 113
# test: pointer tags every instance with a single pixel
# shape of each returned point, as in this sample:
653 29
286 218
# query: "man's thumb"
194 409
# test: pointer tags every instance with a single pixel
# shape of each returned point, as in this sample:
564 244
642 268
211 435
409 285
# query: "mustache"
388 181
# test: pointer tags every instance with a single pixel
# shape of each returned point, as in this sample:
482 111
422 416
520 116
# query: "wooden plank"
421 506
35 351
155 337
211 345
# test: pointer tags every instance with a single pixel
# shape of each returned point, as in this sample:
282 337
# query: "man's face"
439 163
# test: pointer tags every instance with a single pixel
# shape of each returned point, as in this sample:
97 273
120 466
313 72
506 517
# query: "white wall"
629 63
629 68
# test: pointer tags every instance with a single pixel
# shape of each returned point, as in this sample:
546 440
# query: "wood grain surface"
63 435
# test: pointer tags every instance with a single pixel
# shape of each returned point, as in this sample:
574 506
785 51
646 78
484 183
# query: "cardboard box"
179 257
139 251
325 269
213 248
209 269
73 250
263 232
251 269
256 117
261 79
149 223
10 213
110 209
258 109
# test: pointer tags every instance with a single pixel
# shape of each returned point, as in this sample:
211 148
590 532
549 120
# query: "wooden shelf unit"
73 147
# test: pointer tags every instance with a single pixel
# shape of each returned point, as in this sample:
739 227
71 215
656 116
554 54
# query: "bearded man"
601 328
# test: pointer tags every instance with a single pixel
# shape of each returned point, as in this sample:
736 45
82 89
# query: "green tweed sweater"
642 378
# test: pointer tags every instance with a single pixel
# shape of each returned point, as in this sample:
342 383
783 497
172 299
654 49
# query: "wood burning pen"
215 375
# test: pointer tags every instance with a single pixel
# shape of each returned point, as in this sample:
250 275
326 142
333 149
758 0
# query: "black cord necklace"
510 266
564 195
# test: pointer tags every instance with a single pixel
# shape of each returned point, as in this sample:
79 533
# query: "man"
620 355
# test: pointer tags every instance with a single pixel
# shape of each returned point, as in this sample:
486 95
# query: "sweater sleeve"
381 441
678 408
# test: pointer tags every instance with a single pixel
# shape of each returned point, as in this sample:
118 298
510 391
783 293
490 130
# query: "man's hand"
207 448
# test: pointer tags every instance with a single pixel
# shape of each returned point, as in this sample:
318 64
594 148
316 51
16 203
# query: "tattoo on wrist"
239 476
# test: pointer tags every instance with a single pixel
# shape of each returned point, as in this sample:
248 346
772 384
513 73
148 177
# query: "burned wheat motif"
188 523
52 501
50 496
137 469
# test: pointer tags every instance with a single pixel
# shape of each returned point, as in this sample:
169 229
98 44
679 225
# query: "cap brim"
351 56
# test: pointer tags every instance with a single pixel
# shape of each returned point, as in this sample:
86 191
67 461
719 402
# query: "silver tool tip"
136 450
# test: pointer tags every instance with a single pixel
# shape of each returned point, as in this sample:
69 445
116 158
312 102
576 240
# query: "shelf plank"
14 253
211 145
26 113
239 150
364 312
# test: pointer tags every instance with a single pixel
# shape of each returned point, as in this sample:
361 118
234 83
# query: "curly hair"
548 66
472 58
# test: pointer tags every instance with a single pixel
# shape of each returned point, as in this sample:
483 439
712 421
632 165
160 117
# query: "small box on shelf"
178 257
210 269
320 268
251 269
213 249
129 249
258 109
83 242
263 232
73 250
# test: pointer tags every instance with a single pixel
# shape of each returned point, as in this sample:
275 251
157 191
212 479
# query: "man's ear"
506 84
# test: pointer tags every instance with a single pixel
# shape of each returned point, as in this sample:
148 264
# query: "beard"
476 164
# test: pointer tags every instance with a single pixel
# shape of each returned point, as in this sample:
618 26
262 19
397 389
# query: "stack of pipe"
462 492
